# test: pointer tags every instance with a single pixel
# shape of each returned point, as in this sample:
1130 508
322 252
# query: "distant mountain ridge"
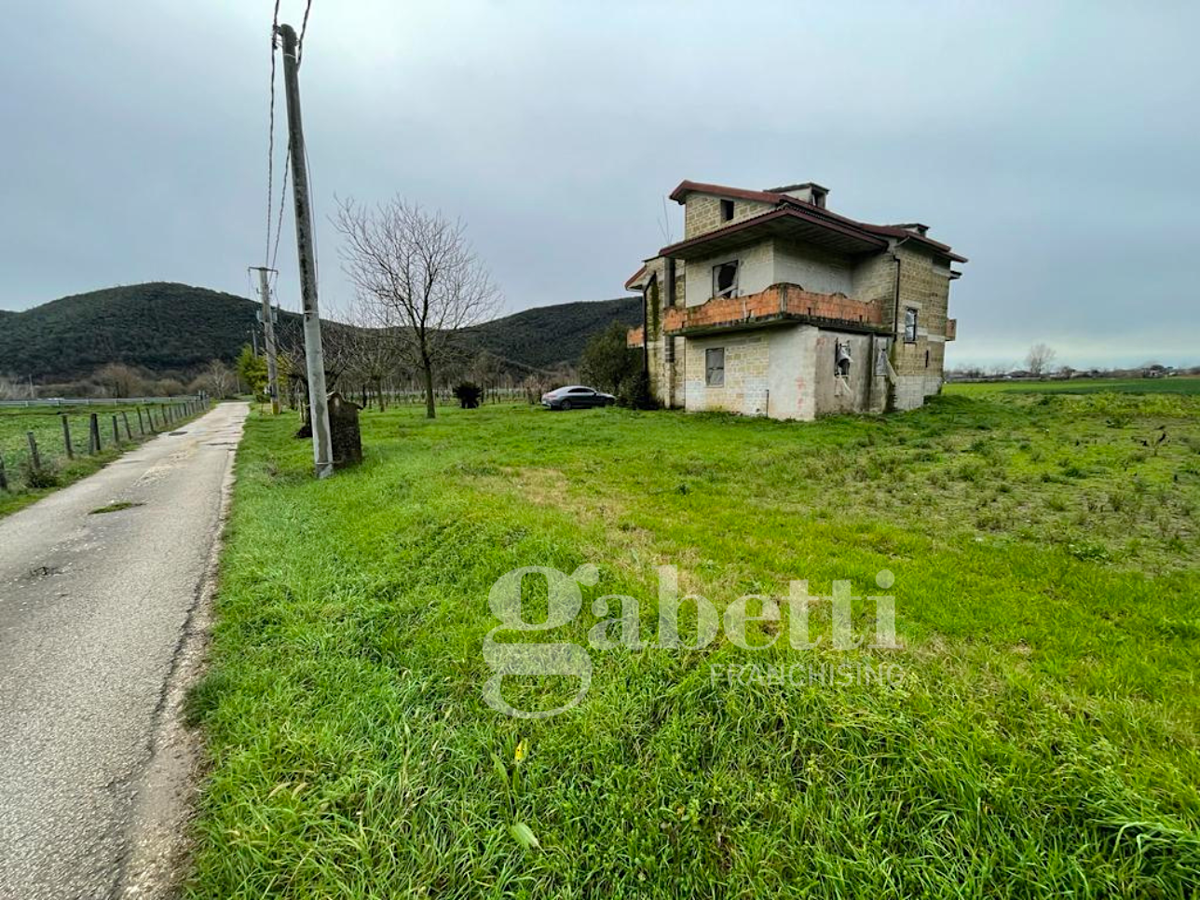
176 329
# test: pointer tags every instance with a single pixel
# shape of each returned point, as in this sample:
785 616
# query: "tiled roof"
679 195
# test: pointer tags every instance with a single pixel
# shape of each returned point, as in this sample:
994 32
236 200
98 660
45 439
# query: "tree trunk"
379 394
430 406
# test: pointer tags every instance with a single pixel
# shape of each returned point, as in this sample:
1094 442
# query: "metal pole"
319 409
264 285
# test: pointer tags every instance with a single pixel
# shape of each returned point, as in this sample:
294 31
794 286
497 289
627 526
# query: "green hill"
175 329
548 335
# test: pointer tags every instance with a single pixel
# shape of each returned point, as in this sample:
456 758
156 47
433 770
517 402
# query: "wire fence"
96 401
40 448
369 397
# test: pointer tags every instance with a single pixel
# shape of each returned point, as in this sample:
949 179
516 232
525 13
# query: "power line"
287 164
273 252
303 28
271 141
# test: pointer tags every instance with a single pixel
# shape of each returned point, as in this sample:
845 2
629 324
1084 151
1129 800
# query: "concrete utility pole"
268 320
318 407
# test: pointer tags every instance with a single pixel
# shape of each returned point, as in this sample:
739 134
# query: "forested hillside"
161 327
175 329
548 335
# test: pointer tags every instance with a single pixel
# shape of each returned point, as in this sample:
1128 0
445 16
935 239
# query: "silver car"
576 396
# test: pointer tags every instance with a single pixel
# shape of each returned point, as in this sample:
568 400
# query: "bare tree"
217 380
1039 359
119 380
9 389
337 345
376 354
416 276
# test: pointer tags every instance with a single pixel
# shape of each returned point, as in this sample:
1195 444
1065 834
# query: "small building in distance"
773 305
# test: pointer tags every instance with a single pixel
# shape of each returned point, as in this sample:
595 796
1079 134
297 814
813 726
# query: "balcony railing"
778 303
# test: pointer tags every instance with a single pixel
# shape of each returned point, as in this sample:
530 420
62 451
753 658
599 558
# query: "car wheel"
565 406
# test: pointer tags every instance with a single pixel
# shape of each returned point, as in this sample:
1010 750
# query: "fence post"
67 437
33 451
3 476
93 434
116 432
125 419
141 427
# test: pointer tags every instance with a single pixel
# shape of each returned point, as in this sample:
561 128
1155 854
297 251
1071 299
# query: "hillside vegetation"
549 335
173 329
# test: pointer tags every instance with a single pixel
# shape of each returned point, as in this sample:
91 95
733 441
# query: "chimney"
809 192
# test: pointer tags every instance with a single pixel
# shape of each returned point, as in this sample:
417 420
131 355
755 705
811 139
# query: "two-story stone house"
773 305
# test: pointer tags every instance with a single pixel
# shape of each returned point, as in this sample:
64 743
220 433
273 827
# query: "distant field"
1044 740
1188 384
57 469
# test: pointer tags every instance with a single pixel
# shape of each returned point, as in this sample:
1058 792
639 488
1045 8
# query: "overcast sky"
1056 145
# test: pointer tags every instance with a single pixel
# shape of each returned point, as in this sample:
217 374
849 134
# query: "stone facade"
815 326
702 214
745 385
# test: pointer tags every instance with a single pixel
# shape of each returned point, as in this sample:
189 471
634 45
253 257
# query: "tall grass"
1041 742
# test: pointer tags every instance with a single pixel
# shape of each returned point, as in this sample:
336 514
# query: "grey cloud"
1053 144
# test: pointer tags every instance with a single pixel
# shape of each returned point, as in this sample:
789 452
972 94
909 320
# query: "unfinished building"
773 305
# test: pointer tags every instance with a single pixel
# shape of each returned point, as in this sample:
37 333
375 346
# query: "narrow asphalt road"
95 615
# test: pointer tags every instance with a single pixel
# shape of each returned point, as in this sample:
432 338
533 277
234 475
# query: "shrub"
608 364
468 395
635 392
38 479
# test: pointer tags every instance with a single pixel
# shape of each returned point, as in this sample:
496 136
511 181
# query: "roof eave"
868 241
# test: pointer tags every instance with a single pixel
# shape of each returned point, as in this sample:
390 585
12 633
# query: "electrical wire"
303 28
272 252
271 139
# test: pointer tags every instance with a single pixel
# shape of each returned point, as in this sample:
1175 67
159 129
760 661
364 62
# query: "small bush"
468 395
39 479
635 393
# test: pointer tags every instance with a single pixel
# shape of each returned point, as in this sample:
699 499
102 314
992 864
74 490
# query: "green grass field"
57 469
1183 384
1042 739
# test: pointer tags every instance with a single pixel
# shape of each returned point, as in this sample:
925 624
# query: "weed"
114 507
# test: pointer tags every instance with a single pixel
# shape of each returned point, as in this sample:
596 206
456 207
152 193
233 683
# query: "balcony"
778 304
635 339
951 329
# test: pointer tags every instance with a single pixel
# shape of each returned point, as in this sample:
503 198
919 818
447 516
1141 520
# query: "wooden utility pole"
318 408
268 320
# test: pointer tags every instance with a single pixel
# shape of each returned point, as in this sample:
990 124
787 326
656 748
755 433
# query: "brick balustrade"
636 338
951 329
777 301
